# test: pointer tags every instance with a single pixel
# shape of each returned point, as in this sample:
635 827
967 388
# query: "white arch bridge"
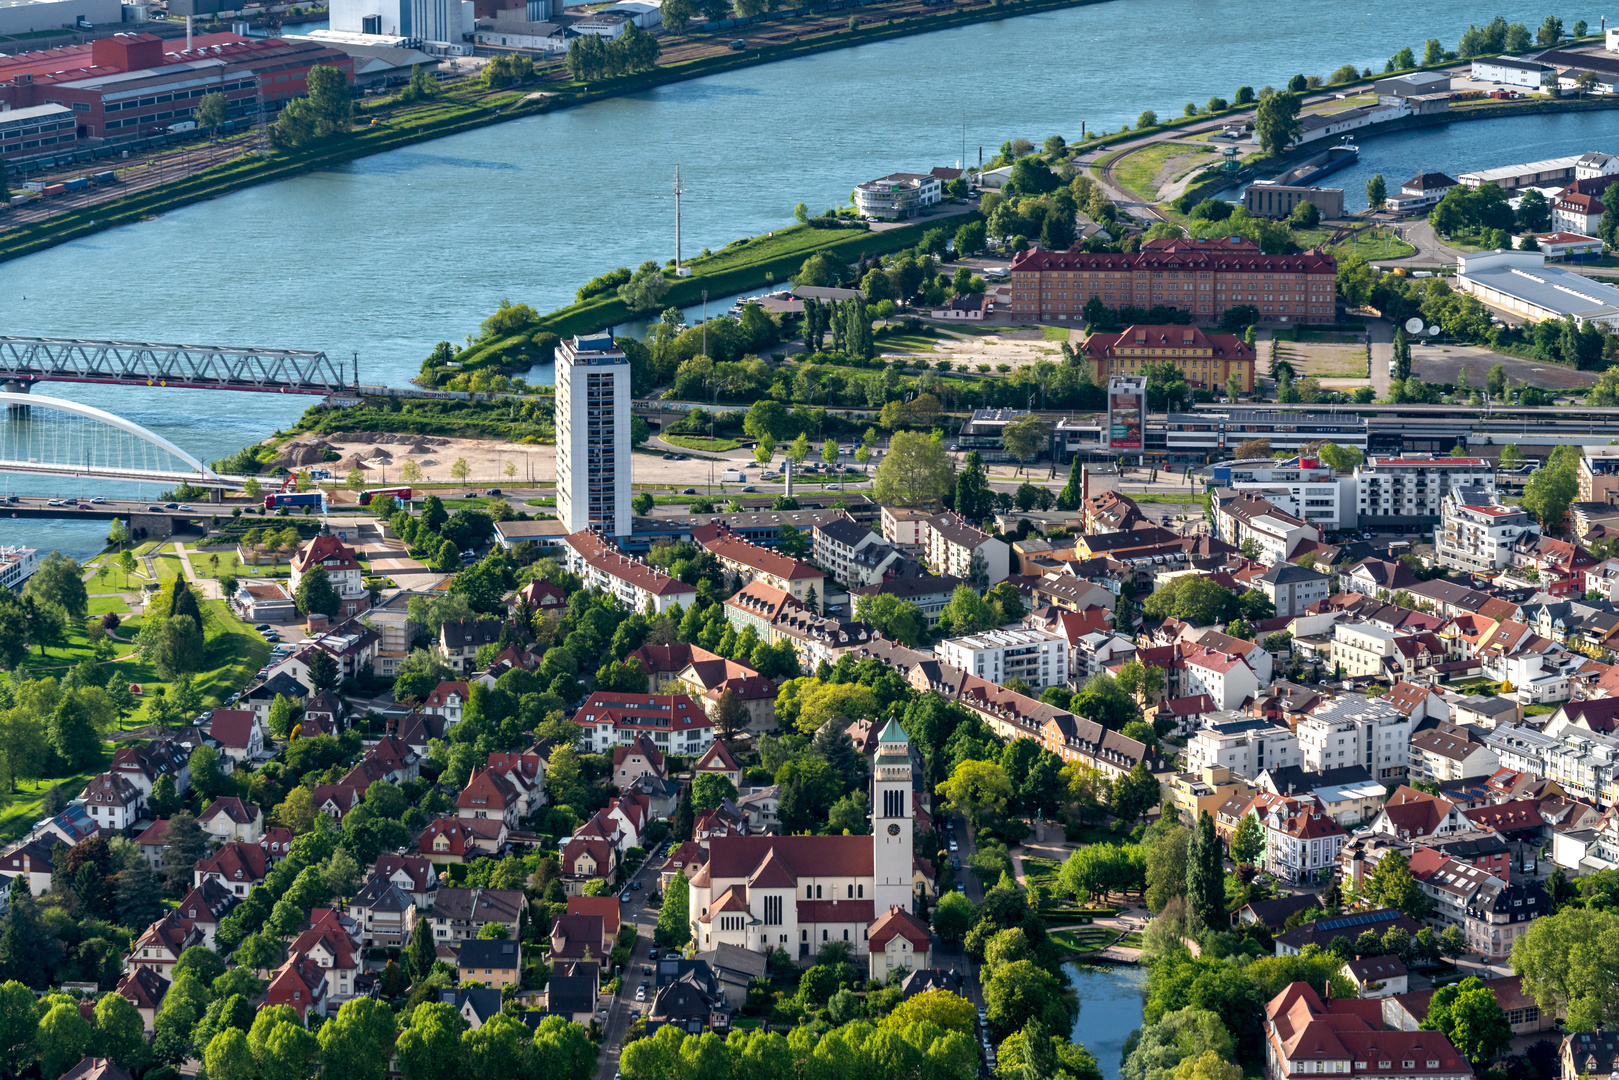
49 436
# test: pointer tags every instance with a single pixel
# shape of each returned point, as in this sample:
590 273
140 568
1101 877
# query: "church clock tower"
891 821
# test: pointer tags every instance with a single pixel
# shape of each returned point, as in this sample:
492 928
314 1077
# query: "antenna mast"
678 192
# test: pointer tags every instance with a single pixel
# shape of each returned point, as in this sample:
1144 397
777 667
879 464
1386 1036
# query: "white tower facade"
891 821
593 436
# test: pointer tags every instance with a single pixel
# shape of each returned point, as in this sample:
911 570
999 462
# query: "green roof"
893 732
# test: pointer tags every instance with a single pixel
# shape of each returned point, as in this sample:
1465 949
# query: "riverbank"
445 116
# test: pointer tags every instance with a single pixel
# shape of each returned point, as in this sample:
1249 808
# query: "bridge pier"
17 412
156 525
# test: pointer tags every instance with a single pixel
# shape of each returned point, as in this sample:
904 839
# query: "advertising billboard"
1126 406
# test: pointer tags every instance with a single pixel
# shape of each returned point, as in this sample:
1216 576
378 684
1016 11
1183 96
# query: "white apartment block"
949 543
1362 647
1245 745
593 436
1040 660
1406 492
1293 588
1477 533
1354 730
852 553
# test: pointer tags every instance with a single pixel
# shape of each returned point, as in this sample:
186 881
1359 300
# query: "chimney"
188 33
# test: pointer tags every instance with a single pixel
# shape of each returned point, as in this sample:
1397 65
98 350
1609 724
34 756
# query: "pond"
1111 997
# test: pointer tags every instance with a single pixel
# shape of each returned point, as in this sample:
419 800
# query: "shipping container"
107 177
56 189
78 183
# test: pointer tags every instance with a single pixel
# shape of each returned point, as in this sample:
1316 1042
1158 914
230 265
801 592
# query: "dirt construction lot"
1441 363
1015 346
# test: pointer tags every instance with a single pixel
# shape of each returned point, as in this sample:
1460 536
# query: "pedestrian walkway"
207 586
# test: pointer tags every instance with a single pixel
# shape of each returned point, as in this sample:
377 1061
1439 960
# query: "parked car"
263 626
668 457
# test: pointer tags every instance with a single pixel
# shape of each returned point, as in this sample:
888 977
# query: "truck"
733 476
296 498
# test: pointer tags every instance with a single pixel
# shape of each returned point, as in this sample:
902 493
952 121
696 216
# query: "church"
798 893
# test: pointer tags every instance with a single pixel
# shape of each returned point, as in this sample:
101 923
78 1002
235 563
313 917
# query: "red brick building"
128 86
1204 277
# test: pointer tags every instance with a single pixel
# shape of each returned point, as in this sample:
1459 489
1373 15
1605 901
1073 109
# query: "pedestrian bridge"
48 436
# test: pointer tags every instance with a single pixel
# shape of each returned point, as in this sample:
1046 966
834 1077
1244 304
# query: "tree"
59 583
1570 961
730 715
1550 490
646 288
280 718
64 1035
1253 448
1392 885
1021 991
674 927
323 669
1468 1015
1276 122
1134 793
327 111
899 619
953 917
358 1041
1025 437
973 498
421 952
709 790
1550 32
1376 193
184 845
975 787
1248 842
19 1028
120 1032
915 473
1205 875
228 1056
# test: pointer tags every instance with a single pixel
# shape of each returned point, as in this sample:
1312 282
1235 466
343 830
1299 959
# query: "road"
618 1009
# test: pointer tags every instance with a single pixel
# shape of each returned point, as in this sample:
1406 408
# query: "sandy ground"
1014 346
1440 363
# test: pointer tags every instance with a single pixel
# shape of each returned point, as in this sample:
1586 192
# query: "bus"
400 494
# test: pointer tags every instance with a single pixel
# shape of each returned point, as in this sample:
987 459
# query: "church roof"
893 732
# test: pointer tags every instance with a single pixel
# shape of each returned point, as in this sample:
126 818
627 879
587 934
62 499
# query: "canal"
390 254
1111 997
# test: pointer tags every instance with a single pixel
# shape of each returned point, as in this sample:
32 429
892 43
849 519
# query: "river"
1110 1000
389 254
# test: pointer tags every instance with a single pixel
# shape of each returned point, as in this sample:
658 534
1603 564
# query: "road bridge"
27 360
46 436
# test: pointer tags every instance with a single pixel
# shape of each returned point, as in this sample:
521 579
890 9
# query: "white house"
1510 71
1225 677
342 569
1039 659
1247 745
1477 533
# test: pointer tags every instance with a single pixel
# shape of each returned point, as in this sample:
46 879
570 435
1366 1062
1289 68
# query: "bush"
604 283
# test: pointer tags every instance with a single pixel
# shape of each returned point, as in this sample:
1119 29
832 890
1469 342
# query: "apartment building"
1293 588
342 568
853 554
604 568
1302 840
1206 360
1354 730
1476 533
950 543
1245 746
593 436
1450 753
1404 494
1039 659
754 562
1201 276
1598 471
1241 516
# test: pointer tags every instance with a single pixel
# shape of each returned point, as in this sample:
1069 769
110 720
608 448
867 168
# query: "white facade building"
1405 492
1477 533
1521 283
1039 659
1302 487
1245 745
1510 71
898 195
1354 730
606 569
593 436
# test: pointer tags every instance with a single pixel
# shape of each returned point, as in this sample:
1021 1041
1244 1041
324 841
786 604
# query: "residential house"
415 876
325 942
299 984
675 723
384 913
342 567
1377 976
1450 753
144 987
458 642
605 568
1347 1037
238 866
853 554
754 562
897 941
494 962
229 818
635 759
1302 840
1039 659
1410 814
239 733
1477 533
112 801
928 592
488 794
1245 746
459 914
447 699
203 907
709 677
719 760
1500 913
459 839
1293 588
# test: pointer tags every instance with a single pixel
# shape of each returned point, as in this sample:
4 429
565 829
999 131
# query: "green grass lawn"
19 812
701 442
1188 498
1038 868
1138 170
202 562
1085 939
905 343
101 604
1374 244
1054 333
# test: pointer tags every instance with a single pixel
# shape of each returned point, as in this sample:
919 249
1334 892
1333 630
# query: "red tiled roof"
898 922
807 856
324 548
719 540
601 555
441 694
236 861
231 727
659 712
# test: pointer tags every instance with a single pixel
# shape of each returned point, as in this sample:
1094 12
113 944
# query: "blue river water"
1110 1001
390 254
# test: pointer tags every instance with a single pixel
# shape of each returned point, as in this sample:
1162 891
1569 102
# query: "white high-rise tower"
891 821
593 436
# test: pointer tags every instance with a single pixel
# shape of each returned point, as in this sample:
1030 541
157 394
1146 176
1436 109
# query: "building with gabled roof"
144 987
238 866
605 568
300 984
719 760
897 941
112 801
637 758
676 724
1304 1034
950 544
229 818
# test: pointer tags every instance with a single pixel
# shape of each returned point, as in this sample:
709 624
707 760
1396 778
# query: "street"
618 1007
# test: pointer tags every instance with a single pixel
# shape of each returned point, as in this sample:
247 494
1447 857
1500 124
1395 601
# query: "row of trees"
591 58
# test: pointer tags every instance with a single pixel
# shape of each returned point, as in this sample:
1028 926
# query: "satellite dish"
1433 331
1413 325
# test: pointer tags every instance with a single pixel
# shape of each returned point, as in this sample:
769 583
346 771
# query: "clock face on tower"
893 830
